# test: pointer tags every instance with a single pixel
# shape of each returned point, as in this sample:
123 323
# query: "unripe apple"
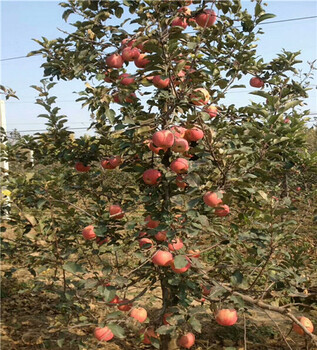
165 317
161 236
79 166
126 79
222 211
162 258
148 334
176 244
139 313
145 241
151 223
180 182
211 199
180 145
130 53
226 317
178 131
200 97
124 307
179 166
206 18
183 269
103 334
141 61
151 176
187 340
89 233
194 134
306 322
160 82
179 22
114 61
163 138
256 82
116 212
211 110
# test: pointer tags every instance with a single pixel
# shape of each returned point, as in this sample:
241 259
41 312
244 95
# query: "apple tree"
180 201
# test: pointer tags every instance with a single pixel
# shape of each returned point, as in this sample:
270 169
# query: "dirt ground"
31 321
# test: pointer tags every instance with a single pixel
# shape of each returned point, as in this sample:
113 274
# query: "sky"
23 20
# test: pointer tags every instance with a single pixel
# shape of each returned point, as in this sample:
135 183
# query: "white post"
3 124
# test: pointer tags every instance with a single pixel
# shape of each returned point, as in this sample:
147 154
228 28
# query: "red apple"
179 166
155 149
160 82
211 199
298 189
127 42
194 253
126 79
226 317
163 138
222 211
176 244
183 269
148 334
206 290
151 176
161 236
151 223
141 61
124 99
287 121
111 163
194 134
200 97
178 131
180 145
89 233
187 340
114 301
179 22
144 241
256 82
211 110
79 166
185 10
114 61
180 182
162 258
139 314
306 322
165 317
116 212
103 334
206 18
130 53
124 307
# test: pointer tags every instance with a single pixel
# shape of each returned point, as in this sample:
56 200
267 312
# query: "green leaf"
73 267
180 261
165 329
117 330
264 17
236 278
195 324
263 195
60 342
109 293
119 12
